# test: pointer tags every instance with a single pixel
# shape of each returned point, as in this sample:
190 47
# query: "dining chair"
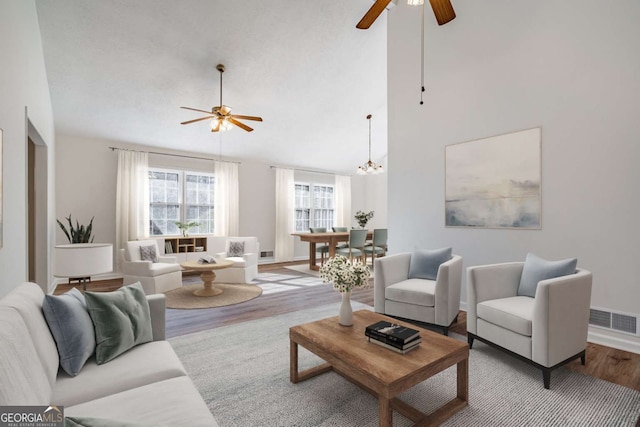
355 248
378 244
322 249
341 230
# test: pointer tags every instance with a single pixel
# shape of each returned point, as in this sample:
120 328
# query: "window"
314 206
180 196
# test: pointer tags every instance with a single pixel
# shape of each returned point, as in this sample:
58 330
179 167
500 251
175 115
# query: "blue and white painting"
494 182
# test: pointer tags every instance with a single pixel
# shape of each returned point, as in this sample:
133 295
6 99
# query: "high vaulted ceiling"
120 70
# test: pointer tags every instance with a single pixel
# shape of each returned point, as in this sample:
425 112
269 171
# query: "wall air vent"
615 321
266 254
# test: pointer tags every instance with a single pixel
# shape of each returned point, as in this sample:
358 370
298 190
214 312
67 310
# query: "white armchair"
436 302
155 277
546 331
245 266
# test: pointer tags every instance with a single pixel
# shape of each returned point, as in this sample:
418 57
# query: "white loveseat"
146 384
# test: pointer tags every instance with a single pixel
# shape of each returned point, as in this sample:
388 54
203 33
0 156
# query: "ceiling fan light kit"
221 117
369 168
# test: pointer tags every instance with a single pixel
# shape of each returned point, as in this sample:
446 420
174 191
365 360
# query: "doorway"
37 209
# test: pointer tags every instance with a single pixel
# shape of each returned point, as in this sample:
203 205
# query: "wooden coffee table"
207 276
379 371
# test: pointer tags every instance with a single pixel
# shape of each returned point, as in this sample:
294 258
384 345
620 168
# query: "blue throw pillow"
72 329
537 269
425 263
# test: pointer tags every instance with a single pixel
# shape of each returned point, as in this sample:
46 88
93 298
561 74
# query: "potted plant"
186 226
362 218
79 234
345 275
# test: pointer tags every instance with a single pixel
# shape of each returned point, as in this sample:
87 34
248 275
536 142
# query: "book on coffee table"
391 332
402 350
404 346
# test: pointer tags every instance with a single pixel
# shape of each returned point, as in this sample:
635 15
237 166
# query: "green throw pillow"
121 319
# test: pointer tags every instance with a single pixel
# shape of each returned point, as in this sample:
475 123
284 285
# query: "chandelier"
370 167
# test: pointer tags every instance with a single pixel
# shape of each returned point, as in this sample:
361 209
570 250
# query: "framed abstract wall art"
495 182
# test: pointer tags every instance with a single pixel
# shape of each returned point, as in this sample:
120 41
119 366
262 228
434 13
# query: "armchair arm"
158 316
561 317
447 293
168 259
487 282
220 255
388 270
251 259
136 268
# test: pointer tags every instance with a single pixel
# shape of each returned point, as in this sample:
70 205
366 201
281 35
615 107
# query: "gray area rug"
242 371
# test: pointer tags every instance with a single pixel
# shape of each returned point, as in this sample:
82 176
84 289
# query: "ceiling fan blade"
443 10
240 125
217 128
372 14
195 109
196 120
224 110
254 118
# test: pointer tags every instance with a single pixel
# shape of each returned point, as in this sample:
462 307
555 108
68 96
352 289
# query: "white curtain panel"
343 201
285 198
227 199
132 197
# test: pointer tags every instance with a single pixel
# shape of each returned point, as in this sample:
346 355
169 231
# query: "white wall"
86 187
570 67
23 83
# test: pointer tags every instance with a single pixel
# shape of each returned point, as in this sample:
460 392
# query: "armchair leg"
470 338
583 358
546 377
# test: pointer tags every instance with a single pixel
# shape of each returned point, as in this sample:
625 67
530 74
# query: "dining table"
329 238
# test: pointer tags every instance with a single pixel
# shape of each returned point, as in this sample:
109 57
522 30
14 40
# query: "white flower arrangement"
345 274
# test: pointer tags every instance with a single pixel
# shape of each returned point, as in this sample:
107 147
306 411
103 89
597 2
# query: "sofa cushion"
173 402
27 299
121 319
425 263
513 313
537 269
412 291
149 253
238 262
71 327
144 364
160 268
100 422
23 379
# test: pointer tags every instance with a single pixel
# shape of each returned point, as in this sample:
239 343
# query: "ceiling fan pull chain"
422 57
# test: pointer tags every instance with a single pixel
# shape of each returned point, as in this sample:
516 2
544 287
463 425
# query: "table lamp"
82 260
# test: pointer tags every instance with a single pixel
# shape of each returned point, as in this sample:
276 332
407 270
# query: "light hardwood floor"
606 363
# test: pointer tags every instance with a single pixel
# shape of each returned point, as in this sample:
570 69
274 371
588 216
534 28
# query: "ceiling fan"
442 9
221 117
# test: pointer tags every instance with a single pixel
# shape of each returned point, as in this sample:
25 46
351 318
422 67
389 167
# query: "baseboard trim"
613 342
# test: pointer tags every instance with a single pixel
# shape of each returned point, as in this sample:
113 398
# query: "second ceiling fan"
442 9
220 116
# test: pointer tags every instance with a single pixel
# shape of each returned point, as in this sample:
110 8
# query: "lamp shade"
83 259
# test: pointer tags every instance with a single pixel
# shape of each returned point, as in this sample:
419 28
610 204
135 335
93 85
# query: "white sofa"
244 268
147 384
155 277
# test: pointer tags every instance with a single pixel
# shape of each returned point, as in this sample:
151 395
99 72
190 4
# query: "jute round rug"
231 294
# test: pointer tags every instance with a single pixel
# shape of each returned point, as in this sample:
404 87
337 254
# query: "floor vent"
616 321
266 254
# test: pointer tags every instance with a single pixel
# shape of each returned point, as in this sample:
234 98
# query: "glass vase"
346 312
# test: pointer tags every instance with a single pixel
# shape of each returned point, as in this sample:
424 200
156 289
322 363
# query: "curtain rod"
173 155
303 170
